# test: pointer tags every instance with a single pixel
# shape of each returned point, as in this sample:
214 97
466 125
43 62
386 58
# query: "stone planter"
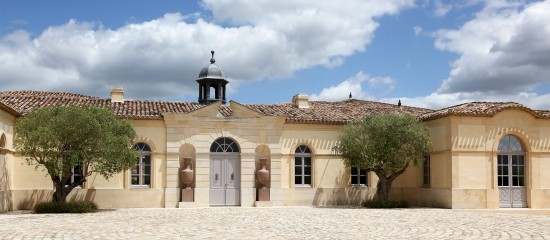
187 176
187 173
262 175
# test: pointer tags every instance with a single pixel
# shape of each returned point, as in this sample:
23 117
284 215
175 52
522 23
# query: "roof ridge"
46 94
159 101
488 109
479 102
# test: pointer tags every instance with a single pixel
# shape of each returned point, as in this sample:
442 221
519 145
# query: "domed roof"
212 70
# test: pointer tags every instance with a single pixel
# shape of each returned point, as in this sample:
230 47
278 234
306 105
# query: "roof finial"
399 103
349 95
212 60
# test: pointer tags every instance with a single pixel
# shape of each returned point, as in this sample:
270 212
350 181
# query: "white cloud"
417 30
505 49
356 86
441 9
264 39
504 53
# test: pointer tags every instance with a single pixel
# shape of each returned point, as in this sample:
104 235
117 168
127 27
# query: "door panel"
511 180
517 189
232 194
217 191
224 180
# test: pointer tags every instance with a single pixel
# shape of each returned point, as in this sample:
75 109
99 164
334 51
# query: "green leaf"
62 137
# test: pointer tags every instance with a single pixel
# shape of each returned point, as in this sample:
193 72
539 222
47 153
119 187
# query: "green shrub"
66 207
384 204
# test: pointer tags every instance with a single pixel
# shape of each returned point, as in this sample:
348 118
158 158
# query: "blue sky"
427 53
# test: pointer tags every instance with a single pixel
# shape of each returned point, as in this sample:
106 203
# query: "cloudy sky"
427 53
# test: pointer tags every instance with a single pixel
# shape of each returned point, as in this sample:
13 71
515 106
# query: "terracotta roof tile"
483 109
226 111
25 101
340 112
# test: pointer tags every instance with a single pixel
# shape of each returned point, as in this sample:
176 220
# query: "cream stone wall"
462 162
7 121
197 131
474 152
331 178
32 185
409 186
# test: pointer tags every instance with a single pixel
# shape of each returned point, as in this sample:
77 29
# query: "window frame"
81 175
144 151
512 149
302 152
426 171
66 153
359 176
224 145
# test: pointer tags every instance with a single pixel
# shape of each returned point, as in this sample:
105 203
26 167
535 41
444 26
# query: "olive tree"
386 144
61 138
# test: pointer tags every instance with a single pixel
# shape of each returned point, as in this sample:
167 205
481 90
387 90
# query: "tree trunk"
384 183
383 188
60 195
61 192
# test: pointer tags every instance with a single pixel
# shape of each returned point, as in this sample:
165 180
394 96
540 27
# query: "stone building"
483 155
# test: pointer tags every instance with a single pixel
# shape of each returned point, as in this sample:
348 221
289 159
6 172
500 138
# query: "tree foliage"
386 144
60 138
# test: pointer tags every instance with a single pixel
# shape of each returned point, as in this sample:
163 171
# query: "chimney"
301 100
117 94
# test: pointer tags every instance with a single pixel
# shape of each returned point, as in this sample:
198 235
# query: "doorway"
511 173
225 173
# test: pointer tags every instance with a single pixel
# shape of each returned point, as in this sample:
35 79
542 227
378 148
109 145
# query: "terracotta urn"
187 173
263 174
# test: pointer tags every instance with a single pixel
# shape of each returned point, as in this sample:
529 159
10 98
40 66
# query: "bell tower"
212 83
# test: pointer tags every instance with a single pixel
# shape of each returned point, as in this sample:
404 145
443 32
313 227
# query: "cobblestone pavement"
279 223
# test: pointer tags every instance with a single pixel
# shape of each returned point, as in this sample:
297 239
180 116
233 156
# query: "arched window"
510 143
511 162
141 172
302 166
224 145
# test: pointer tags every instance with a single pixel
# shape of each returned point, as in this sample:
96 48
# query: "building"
484 155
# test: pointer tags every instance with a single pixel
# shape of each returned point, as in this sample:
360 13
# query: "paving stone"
278 223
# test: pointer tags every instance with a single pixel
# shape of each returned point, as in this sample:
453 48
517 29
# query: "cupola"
212 83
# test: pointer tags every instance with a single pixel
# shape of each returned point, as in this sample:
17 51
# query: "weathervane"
212 60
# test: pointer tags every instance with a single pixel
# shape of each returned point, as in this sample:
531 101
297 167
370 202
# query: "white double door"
511 181
225 179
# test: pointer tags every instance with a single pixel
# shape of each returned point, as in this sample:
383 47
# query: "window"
511 162
358 177
426 171
141 172
77 169
77 175
302 166
224 145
